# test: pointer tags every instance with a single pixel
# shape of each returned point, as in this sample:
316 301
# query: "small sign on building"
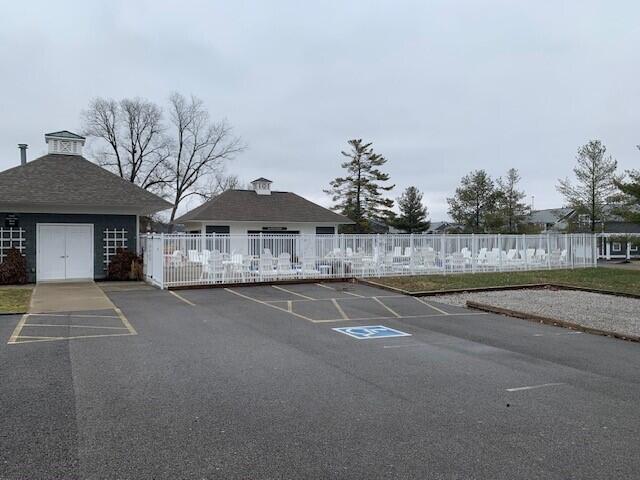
11 221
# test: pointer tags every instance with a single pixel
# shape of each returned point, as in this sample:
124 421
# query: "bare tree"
596 176
199 150
132 140
219 183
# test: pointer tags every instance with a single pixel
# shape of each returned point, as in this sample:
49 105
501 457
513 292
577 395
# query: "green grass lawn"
618 280
14 300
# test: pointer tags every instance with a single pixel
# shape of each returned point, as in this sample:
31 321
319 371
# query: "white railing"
172 260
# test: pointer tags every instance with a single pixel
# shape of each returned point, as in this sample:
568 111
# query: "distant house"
444 227
550 219
261 210
613 229
67 215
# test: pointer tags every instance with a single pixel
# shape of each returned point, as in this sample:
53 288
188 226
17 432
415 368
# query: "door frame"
49 224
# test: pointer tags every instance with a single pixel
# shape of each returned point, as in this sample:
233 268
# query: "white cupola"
262 186
64 142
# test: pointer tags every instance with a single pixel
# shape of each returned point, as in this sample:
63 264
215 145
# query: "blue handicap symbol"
371 331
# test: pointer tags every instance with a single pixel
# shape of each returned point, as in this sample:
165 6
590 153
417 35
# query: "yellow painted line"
331 298
362 319
16 331
121 316
269 305
339 308
125 321
292 292
180 297
53 339
431 306
71 315
72 326
393 312
354 294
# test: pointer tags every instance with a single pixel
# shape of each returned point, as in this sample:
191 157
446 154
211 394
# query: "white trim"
38 256
76 209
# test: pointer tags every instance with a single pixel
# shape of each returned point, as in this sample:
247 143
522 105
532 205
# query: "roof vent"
64 142
262 186
23 153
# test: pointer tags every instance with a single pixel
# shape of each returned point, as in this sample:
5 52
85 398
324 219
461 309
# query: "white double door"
65 251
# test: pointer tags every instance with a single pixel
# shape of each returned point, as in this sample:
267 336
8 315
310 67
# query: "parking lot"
333 380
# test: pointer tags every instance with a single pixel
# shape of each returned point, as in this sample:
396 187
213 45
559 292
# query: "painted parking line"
339 308
394 313
282 289
533 387
180 297
287 307
341 291
17 338
403 317
271 305
431 306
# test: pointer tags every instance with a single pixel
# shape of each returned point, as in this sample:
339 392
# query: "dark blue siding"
28 222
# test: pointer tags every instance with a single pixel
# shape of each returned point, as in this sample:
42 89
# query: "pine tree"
630 198
359 194
474 203
595 182
511 209
413 214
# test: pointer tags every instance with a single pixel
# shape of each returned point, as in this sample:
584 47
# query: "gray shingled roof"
548 216
248 206
71 180
64 134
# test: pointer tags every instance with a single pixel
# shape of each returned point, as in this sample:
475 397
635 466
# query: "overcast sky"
439 87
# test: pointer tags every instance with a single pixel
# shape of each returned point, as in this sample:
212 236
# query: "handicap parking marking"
371 332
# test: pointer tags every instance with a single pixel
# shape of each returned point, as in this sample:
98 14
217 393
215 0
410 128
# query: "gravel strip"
605 312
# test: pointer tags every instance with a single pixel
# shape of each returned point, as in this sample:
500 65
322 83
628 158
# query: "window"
325 230
223 229
634 248
616 246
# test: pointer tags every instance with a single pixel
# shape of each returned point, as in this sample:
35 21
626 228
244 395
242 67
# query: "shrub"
124 265
13 270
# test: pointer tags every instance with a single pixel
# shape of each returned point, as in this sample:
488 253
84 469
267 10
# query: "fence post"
524 250
500 252
443 252
474 253
548 252
412 250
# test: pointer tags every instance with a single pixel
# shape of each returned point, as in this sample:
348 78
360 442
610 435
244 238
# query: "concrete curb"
548 321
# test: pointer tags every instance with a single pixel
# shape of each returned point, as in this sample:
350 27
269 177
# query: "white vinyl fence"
172 260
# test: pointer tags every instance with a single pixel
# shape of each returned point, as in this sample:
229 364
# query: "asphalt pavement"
255 383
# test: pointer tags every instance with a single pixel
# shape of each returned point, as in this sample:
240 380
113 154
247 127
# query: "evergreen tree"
413 214
595 182
474 204
359 194
630 198
510 208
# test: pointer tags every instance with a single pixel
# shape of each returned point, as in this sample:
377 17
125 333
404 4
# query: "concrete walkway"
68 297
